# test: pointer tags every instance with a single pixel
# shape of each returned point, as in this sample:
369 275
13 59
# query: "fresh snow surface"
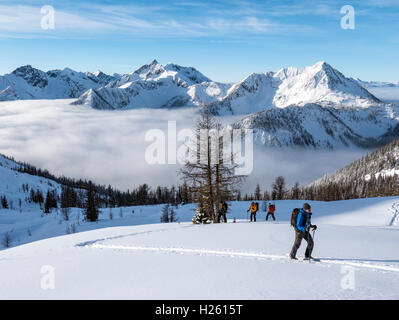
137 257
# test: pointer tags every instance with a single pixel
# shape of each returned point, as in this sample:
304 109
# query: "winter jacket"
271 208
302 220
223 208
253 208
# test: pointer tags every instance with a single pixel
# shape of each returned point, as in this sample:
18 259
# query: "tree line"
73 193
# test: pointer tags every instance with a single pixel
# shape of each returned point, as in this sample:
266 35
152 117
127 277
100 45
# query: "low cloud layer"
109 146
387 94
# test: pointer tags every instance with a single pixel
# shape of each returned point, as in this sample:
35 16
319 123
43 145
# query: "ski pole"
314 230
308 246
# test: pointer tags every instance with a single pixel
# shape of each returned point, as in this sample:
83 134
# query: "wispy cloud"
141 21
26 21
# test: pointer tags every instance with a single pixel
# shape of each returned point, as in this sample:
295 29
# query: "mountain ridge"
155 85
314 126
177 86
26 83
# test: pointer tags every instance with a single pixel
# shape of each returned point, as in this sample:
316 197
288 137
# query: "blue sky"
224 39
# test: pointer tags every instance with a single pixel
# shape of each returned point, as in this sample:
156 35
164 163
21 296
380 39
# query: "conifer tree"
165 214
201 216
47 203
4 202
257 193
172 215
278 188
91 210
211 178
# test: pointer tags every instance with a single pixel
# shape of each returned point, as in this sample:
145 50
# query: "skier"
271 210
253 208
222 211
302 229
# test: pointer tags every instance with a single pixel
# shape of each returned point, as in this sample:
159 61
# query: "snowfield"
135 257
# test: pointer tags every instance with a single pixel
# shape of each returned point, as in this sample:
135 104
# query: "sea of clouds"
109 146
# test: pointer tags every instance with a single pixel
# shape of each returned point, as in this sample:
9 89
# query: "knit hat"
306 206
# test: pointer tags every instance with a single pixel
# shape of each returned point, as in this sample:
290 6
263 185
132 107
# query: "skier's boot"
309 258
293 258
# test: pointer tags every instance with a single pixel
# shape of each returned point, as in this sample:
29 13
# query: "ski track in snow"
93 242
395 214
235 254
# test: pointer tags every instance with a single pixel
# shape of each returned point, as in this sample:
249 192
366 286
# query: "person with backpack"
222 211
270 212
253 208
301 221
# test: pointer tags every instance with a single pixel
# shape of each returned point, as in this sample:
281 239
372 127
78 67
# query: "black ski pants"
299 235
271 214
222 216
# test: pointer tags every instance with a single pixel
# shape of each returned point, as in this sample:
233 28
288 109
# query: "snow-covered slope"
30 83
168 86
11 182
155 86
240 260
320 83
131 255
320 127
381 163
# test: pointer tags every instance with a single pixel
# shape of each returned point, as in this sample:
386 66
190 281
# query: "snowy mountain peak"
176 85
99 73
100 77
332 75
68 70
320 83
322 64
155 85
34 77
147 70
191 74
27 82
